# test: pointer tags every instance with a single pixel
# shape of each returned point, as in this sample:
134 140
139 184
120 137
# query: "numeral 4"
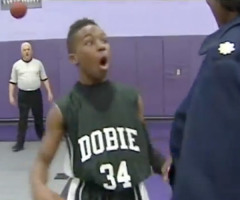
122 176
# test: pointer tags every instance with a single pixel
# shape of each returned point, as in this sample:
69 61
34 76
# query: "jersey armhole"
62 106
136 99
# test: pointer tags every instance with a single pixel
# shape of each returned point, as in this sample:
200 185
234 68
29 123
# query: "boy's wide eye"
88 43
104 40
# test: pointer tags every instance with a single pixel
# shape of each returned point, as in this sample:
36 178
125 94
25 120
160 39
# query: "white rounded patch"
226 48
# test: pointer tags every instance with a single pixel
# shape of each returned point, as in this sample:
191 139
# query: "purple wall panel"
150 76
68 72
195 58
10 52
48 52
135 61
177 54
123 61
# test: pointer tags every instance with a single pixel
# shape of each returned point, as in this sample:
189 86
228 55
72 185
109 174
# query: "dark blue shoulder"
227 48
224 43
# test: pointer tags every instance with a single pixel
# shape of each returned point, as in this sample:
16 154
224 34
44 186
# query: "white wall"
118 18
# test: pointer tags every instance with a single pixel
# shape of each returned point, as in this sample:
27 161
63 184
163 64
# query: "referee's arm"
45 80
12 85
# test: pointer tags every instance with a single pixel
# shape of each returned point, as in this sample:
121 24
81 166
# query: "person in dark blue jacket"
205 136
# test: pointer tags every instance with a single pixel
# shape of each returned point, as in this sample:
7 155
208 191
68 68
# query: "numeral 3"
122 176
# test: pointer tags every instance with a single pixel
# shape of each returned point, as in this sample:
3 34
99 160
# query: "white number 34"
122 176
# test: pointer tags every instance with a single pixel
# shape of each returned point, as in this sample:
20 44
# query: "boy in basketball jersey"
109 148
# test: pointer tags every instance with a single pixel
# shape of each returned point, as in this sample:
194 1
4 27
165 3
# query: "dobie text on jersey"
109 139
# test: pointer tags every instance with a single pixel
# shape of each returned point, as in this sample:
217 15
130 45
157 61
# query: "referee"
27 74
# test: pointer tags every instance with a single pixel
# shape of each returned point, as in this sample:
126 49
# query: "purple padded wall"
124 66
147 63
48 52
150 73
68 73
179 53
10 52
195 59
176 56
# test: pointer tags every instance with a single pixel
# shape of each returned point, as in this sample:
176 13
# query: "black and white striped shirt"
28 75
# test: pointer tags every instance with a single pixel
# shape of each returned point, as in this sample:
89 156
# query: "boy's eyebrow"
87 35
90 35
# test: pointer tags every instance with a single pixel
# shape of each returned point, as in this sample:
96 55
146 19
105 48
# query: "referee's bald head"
26 50
26 45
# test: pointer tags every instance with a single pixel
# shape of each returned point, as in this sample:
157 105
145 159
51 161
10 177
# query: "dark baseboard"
12 121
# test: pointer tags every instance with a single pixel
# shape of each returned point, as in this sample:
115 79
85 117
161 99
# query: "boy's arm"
51 141
156 158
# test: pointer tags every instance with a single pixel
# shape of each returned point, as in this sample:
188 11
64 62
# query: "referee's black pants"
29 100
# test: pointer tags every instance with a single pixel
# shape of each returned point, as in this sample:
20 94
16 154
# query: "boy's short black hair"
231 5
74 28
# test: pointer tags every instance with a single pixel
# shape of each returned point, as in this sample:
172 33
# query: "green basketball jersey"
110 146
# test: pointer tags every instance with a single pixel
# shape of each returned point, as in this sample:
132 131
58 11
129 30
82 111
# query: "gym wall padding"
149 64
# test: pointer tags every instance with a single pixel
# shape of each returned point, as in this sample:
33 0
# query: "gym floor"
15 167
